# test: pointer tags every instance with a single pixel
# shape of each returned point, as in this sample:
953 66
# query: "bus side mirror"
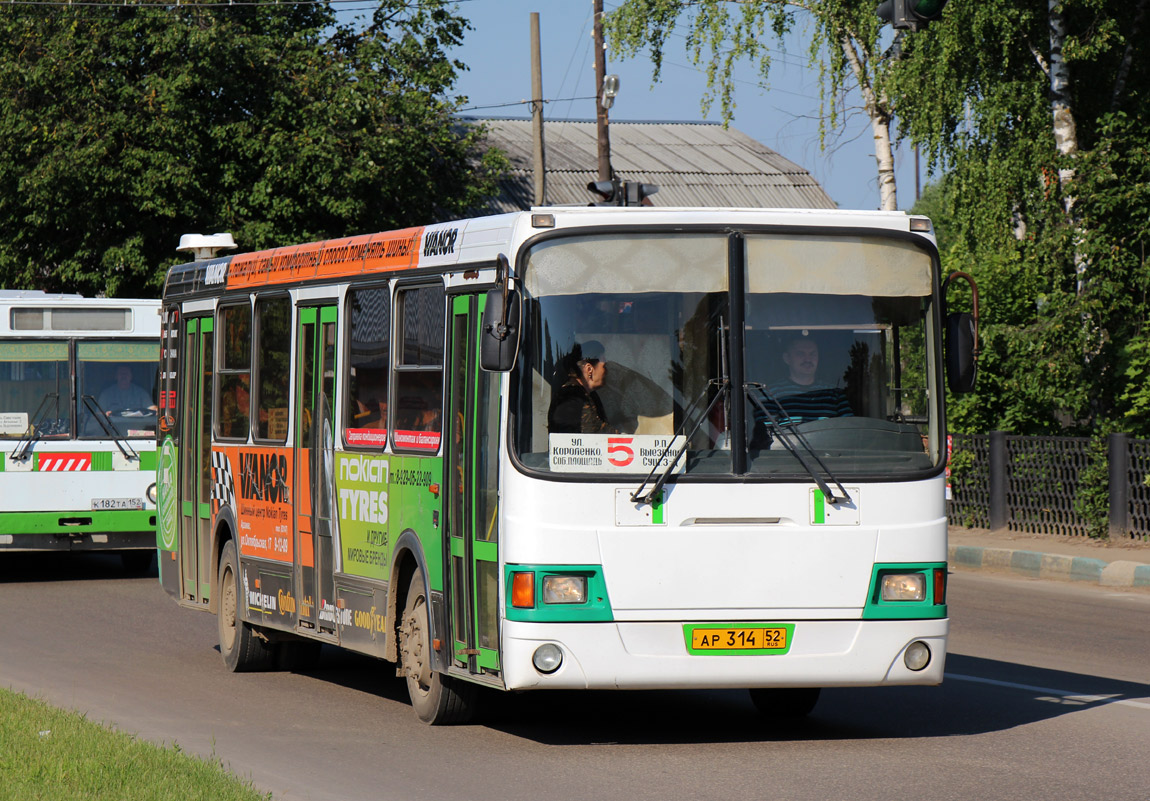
499 339
961 348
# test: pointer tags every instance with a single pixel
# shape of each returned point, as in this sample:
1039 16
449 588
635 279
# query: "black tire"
240 647
137 563
785 702
437 699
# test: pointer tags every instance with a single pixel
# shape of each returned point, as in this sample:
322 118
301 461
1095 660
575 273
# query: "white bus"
571 448
78 382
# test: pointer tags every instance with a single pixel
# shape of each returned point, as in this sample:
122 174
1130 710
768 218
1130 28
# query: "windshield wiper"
100 415
784 434
35 430
638 496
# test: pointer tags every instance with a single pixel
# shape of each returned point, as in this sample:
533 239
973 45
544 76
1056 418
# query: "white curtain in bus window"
419 373
369 366
34 389
836 329
643 313
117 380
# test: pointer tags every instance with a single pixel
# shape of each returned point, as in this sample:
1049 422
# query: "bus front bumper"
80 541
822 653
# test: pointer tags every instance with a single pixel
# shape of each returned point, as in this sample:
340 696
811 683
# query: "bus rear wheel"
437 699
240 646
784 702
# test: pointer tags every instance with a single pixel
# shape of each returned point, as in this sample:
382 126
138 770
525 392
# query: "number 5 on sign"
619 451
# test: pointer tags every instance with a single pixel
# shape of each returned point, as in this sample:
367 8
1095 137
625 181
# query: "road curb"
1057 567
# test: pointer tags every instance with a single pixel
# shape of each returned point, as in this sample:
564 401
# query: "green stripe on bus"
820 515
101 461
50 522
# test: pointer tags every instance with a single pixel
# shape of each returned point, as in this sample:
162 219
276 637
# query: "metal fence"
1077 486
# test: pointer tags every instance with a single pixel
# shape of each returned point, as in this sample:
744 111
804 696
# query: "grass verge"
48 753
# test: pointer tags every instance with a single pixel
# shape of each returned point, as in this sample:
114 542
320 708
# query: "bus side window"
369 365
418 381
233 402
273 355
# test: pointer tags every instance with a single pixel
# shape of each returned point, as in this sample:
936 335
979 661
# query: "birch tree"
1036 111
844 45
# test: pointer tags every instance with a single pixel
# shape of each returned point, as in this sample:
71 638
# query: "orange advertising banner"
262 499
333 258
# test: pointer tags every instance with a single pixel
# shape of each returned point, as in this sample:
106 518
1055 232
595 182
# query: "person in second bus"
575 406
125 394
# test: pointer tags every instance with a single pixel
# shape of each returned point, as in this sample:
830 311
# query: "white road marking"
1060 695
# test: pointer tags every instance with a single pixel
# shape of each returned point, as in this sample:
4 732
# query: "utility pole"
600 109
537 113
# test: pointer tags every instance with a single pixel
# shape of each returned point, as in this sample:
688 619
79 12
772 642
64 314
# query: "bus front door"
314 445
471 476
195 462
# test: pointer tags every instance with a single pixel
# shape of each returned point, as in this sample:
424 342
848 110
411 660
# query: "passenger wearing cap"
575 406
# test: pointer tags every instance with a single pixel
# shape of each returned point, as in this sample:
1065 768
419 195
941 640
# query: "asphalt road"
1047 696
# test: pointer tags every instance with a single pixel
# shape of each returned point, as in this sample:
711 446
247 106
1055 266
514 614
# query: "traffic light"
622 193
909 14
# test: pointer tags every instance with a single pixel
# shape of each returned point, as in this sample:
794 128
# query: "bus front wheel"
436 698
241 648
784 702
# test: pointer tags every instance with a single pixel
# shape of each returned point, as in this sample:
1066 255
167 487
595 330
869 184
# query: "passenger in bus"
234 410
801 397
125 394
367 414
575 405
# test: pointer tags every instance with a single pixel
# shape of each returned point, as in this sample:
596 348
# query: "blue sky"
783 117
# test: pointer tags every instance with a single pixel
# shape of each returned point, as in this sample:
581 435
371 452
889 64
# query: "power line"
524 103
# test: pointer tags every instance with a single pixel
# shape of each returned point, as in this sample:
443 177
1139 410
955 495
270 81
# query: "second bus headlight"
903 587
564 589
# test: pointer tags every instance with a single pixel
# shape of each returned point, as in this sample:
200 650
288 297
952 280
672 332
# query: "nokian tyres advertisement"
362 487
378 497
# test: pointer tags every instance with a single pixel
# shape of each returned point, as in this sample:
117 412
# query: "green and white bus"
563 449
78 383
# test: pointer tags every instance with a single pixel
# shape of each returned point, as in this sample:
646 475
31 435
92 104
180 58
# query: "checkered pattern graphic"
223 488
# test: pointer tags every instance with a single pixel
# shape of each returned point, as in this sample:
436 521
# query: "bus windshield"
120 377
35 389
626 356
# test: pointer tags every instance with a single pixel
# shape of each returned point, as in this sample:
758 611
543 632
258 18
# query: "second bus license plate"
106 504
740 638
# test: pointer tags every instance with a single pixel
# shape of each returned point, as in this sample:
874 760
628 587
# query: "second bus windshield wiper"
112 431
35 430
785 433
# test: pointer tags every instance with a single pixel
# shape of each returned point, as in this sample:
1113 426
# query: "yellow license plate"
739 639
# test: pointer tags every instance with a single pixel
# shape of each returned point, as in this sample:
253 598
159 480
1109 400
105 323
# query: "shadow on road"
959 707
39 566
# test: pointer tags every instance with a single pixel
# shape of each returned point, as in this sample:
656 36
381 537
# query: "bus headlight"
917 655
547 658
903 587
151 493
564 589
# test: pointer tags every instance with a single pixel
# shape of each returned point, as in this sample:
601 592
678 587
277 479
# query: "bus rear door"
195 461
314 466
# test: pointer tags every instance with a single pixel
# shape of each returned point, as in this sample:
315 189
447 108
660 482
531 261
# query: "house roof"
693 163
